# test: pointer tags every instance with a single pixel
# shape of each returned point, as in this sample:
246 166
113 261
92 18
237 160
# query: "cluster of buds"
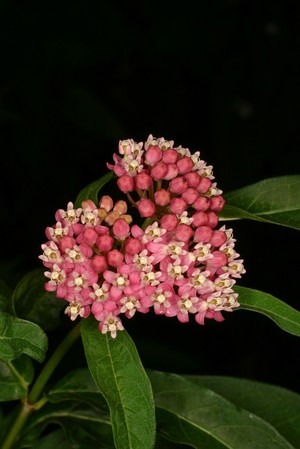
176 262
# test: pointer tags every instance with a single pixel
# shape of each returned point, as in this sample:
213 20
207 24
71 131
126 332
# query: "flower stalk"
34 401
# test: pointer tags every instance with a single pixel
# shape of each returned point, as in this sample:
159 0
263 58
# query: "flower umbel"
175 261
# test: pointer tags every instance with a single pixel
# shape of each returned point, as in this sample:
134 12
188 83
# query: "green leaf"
276 405
78 385
285 316
273 200
19 337
33 303
5 295
192 414
55 439
120 376
15 377
92 190
162 443
82 424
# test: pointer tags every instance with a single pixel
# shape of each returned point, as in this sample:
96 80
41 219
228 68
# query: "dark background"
219 76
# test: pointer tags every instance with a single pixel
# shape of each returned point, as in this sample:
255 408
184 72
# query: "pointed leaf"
33 303
78 385
192 414
119 374
76 419
273 200
285 316
19 337
15 377
55 439
92 190
278 406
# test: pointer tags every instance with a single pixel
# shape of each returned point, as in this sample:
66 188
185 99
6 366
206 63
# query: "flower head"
176 261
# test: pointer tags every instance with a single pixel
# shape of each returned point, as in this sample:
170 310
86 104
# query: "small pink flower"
99 263
158 170
192 178
218 238
162 197
115 258
146 207
125 183
170 156
216 203
178 185
190 195
105 243
153 155
203 185
203 234
178 205
184 233
169 222
184 165
111 324
199 219
120 229
143 181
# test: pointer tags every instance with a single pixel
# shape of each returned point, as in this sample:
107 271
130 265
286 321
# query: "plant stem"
52 363
17 426
32 403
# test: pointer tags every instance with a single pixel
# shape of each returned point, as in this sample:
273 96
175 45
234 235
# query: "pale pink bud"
170 156
192 178
106 203
178 185
216 203
125 183
201 203
159 170
112 217
133 246
172 172
121 229
199 219
115 258
204 185
212 219
162 197
219 259
185 164
178 205
169 222
121 207
190 195
203 234
218 238
183 233
146 207
105 243
153 155
99 263
88 204
66 242
143 181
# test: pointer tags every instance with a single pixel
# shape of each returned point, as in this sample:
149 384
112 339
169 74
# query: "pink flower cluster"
177 262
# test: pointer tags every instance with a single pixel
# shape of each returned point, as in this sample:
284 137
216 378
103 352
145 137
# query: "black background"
221 77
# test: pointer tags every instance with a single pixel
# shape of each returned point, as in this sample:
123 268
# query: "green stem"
17 426
33 402
52 363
